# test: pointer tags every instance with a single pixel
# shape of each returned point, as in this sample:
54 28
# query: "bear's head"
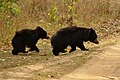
42 33
93 36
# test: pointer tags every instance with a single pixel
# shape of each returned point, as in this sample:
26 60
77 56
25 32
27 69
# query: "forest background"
102 15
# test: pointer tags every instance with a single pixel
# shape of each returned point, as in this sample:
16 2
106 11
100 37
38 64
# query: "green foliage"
8 11
15 9
9 6
71 9
8 1
52 14
70 4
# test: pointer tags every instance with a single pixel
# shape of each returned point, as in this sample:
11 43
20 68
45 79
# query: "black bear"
72 36
27 38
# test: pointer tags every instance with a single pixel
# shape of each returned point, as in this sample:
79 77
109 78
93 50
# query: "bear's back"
70 30
67 30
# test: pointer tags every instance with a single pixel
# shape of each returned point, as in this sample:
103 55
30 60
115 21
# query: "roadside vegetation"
102 15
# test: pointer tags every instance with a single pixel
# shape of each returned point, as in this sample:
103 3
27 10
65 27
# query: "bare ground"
104 66
102 62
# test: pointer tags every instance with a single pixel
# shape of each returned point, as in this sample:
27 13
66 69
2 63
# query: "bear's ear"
91 28
38 27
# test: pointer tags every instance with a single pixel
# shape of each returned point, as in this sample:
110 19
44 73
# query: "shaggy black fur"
27 38
73 36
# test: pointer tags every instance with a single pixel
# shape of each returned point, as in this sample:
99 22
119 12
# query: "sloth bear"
27 38
72 36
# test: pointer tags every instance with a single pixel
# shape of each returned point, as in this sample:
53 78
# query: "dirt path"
105 66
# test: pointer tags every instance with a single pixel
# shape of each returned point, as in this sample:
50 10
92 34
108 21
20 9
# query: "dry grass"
86 13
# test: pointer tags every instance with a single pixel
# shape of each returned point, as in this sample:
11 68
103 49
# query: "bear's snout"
96 41
47 37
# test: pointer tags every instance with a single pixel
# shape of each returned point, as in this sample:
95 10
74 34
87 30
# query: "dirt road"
105 66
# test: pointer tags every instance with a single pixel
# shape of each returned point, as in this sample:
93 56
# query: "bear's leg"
82 47
15 52
31 49
22 48
34 48
55 52
63 51
73 48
